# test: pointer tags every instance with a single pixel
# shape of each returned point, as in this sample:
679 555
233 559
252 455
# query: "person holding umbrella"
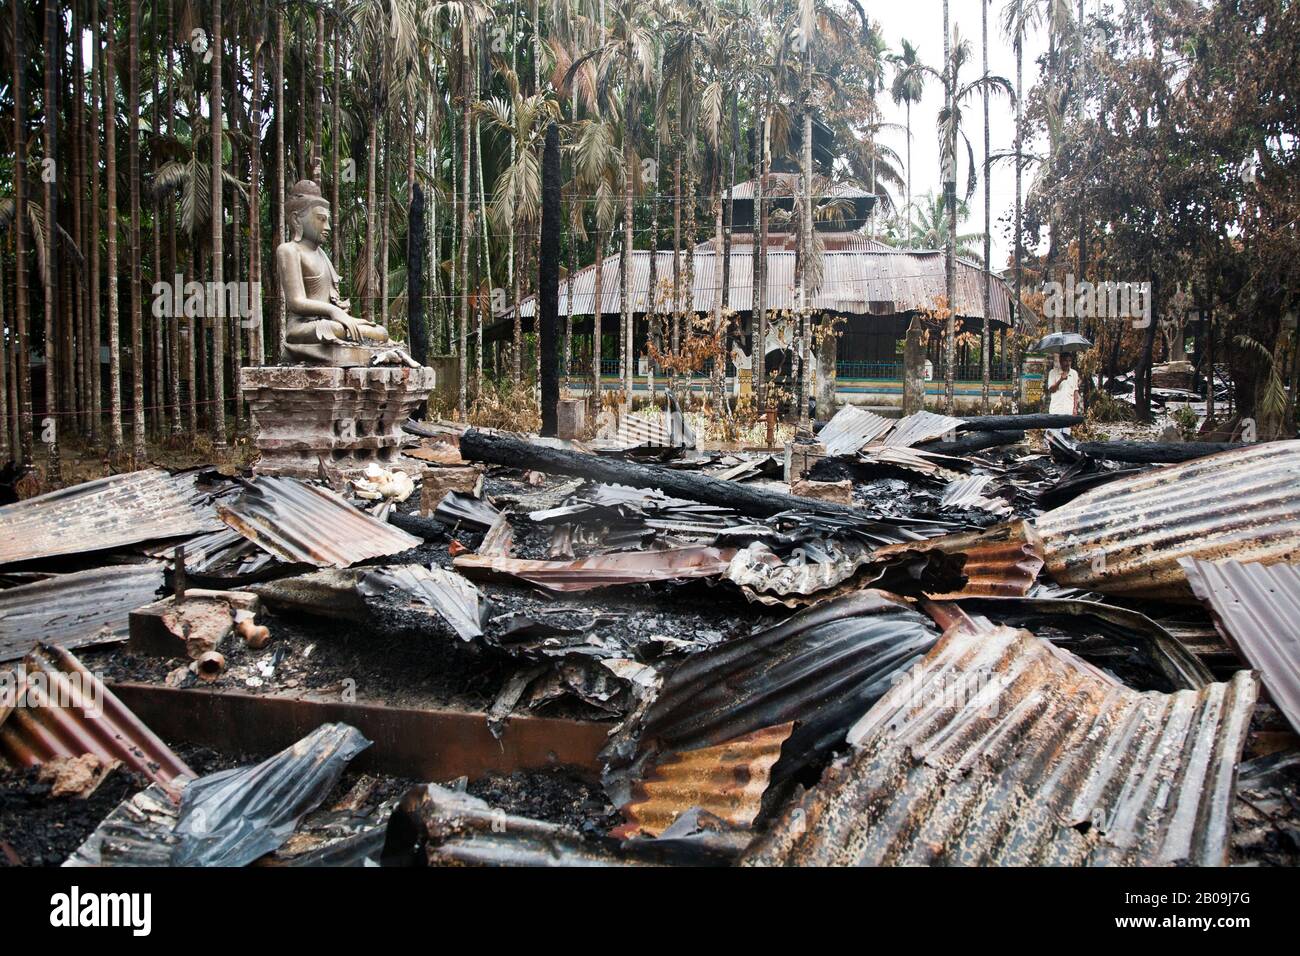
1063 378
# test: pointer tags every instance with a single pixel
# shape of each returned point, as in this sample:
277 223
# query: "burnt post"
415 255
548 299
913 370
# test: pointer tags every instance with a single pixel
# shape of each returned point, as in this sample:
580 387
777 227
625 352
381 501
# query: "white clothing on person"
1065 400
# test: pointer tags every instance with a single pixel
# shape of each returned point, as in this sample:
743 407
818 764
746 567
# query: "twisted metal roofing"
998 748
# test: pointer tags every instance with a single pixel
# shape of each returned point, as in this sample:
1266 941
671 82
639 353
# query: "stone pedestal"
571 418
349 417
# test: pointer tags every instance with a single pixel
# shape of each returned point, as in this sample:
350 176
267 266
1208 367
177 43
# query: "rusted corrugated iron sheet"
605 570
822 668
105 513
1000 562
1128 537
1000 749
855 281
61 709
851 428
1257 608
310 525
968 492
727 780
74 610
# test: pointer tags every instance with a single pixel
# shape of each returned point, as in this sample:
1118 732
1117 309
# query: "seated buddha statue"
319 330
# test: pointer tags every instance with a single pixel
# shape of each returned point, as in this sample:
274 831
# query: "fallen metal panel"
1257 608
968 492
727 780
311 525
999 748
232 817
851 428
939 467
922 427
408 742
60 709
105 513
75 610
1000 562
605 570
822 667
1128 536
458 602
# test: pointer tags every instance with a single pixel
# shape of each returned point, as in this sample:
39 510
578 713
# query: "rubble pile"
505 649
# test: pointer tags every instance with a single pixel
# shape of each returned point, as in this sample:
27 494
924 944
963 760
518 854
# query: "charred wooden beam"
756 503
1154 452
1001 423
968 442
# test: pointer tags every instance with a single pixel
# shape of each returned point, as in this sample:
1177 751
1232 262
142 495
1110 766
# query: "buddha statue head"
308 213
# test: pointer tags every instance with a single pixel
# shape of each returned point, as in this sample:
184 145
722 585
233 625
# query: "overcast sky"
921 22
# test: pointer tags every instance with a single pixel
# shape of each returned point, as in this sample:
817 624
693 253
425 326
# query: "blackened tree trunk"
548 298
415 252
50 427
23 377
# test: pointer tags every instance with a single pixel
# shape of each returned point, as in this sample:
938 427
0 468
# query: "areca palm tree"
517 199
930 228
908 88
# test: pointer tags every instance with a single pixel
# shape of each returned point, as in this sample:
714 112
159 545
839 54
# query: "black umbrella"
1063 342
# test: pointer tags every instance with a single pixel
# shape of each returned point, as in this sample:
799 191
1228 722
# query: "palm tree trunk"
757 318
988 225
278 239
50 427
909 171
256 350
805 255
133 173
950 198
218 222
110 154
466 81
158 329
597 302
92 341
625 260
1015 305
318 98
335 137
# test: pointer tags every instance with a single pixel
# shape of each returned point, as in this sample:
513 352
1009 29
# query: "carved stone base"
349 417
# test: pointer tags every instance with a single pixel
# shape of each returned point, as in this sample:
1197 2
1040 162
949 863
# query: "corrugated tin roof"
61 709
105 513
850 428
727 780
921 427
777 185
821 667
999 748
606 570
73 610
1000 562
1128 536
1257 608
311 525
854 281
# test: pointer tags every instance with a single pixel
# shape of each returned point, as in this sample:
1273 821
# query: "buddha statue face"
312 224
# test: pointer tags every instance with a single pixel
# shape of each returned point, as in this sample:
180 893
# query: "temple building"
873 288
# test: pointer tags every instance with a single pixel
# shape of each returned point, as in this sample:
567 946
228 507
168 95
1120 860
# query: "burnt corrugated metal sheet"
606 570
74 610
851 428
310 525
105 513
458 602
821 667
1000 562
1000 749
727 780
1257 608
854 281
1128 537
61 709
